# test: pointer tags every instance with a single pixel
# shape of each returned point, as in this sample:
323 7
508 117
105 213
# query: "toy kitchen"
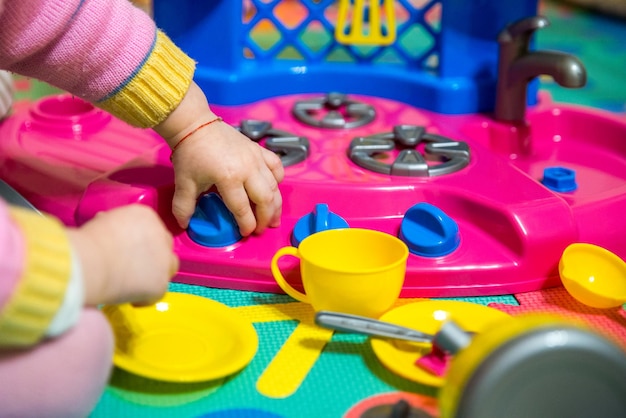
429 127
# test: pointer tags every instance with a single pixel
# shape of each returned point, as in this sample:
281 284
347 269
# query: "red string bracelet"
217 119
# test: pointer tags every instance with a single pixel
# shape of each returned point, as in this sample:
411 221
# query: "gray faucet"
517 65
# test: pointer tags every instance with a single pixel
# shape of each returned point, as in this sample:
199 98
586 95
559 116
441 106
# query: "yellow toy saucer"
182 338
428 316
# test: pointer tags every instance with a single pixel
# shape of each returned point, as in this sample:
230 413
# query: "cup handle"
280 279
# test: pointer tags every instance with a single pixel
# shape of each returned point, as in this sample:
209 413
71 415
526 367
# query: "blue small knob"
212 224
320 219
428 231
559 179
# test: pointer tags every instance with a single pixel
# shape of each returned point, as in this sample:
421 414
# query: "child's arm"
130 69
126 255
35 273
217 154
48 272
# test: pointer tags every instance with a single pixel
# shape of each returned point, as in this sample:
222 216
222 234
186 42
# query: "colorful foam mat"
306 371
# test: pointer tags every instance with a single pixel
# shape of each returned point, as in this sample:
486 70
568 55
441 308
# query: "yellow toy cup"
351 270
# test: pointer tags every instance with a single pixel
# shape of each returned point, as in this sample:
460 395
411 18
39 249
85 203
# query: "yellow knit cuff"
157 89
41 290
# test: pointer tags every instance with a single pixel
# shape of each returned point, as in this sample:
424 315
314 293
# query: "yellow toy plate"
427 316
182 338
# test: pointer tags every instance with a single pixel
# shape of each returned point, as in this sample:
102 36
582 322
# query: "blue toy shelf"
444 57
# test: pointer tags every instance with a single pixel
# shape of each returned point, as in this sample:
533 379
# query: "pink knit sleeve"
90 48
11 255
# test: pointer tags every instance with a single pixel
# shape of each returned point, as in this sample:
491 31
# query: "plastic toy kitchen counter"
477 197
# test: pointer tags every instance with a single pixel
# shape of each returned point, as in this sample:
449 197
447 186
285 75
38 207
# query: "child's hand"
245 174
126 256
242 171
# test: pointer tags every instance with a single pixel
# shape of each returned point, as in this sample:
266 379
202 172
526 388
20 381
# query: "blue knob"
428 231
320 219
212 224
559 179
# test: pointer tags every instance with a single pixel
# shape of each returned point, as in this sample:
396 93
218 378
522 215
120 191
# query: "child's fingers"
236 200
184 203
263 191
274 164
267 215
277 171
174 265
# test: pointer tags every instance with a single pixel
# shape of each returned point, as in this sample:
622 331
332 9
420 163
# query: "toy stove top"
372 162
399 146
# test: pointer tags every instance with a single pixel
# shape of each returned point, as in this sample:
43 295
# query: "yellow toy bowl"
182 338
593 275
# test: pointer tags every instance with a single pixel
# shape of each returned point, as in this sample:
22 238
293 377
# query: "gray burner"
311 112
454 154
292 149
